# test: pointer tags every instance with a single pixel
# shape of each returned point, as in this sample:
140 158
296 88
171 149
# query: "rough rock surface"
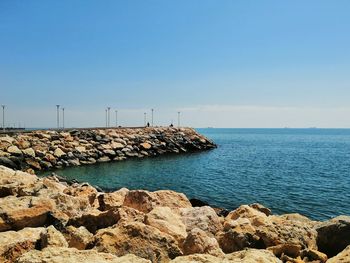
72 255
50 220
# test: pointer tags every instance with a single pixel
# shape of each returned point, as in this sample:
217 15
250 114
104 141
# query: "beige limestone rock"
95 219
80 149
53 238
82 190
139 239
29 152
72 255
244 256
7 139
146 146
198 242
59 153
26 211
13 244
14 150
117 145
164 219
203 218
16 182
112 200
79 238
342 257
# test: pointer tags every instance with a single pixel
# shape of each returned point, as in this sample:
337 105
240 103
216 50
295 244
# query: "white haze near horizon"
201 116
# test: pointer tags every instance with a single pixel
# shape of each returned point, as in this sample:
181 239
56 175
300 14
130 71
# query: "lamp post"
3 117
178 119
152 110
58 116
116 118
106 117
63 117
108 108
144 118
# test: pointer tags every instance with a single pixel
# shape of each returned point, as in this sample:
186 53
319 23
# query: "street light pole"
152 110
108 108
116 118
106 117
63 117
178 119
3 117
144 118
58 116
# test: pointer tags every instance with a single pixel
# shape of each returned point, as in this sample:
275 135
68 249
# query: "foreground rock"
50 220
53 255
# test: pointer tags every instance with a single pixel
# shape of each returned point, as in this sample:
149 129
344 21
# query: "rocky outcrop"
44 150
49 220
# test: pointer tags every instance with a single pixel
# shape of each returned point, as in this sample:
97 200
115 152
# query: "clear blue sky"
224 63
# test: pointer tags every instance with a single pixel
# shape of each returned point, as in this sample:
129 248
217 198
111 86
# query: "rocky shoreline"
45 220
45 150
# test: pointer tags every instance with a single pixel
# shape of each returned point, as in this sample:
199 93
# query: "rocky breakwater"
44 150
45 220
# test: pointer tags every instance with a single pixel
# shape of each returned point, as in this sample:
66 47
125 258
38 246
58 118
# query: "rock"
53 238
290 250
198 203
7 139
82 190
203 218
22 144
334 235
16 183
14 244
165 220
34 164
79 238
117 145
145 201
14 150
80 149
146 146
54 255
29 152
244 256
103 159
198 242
139 239
261 208
59 153
342 257
26 211
248 227
313 255
112 200
95 219
5 161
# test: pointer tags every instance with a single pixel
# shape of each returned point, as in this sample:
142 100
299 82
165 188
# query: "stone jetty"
45 150
47 220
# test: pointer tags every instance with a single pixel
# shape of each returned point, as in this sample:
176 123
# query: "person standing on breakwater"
147 124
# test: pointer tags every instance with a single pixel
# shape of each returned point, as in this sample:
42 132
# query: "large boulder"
139 239
95 219
26 211
79 238
198 242
203 218
16 182
342 257
334 235
112 200
145 201
53 238
54 255
13 244
164 219
244 256
248 227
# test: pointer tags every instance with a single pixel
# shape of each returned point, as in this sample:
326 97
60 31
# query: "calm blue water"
288 170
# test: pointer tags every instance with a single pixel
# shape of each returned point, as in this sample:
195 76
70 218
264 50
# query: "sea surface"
303 171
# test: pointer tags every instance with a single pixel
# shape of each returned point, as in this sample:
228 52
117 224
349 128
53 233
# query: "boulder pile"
44 150
46 220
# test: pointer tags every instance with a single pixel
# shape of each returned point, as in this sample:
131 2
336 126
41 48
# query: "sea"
304 171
